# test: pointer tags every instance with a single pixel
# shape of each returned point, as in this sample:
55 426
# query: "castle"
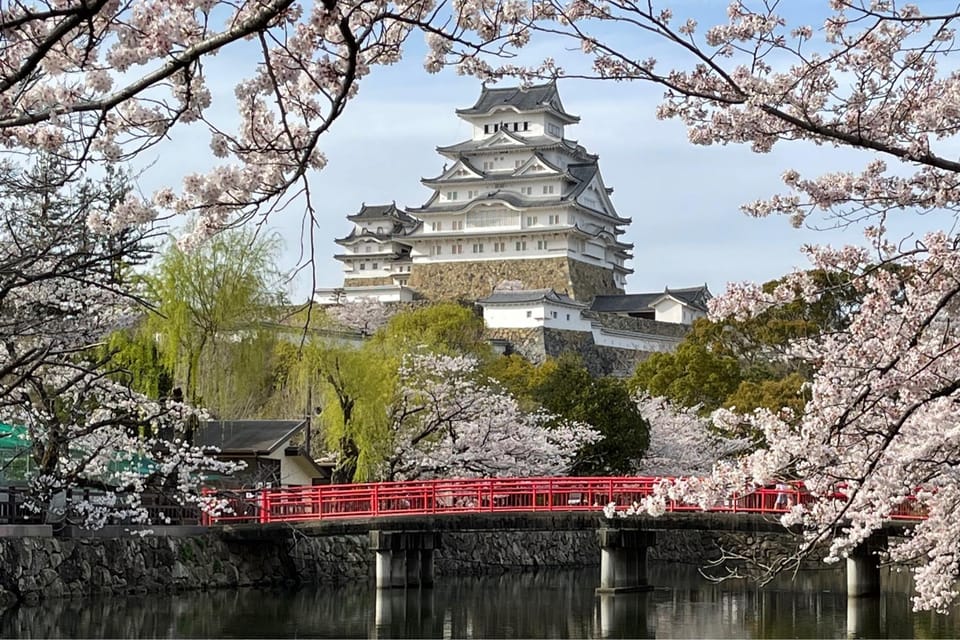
517 201
521 222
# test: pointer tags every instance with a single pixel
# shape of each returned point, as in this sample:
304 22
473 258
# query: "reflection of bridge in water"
404 520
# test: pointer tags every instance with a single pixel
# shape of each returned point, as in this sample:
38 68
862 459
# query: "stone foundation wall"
33 569
588 280
473 280
367 282
539 343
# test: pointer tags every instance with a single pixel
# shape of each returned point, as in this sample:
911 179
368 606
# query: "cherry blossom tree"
365 315
881 427
63 288
682 442
447 423
101 81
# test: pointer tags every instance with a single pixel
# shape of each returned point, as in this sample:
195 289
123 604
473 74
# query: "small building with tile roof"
268 450
679 306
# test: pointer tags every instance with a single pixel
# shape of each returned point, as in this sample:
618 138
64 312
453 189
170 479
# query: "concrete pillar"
623 559
404 558
863 567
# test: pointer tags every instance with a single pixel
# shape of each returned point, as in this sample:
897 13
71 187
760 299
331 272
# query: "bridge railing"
492 495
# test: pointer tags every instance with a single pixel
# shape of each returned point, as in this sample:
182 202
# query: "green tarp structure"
15 462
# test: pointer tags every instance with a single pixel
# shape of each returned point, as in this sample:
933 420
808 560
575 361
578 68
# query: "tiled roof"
696 297
528 295
532 142
535 98
380 212
627 303
247 437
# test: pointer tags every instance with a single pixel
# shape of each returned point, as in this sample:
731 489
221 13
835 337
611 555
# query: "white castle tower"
518 201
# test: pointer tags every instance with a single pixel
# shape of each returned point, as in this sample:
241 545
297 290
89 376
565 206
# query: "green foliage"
211 314
745 363
567 389
692 375
137 354
446 327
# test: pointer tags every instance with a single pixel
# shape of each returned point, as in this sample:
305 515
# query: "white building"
516 201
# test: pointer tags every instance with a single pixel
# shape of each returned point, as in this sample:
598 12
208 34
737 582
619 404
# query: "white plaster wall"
669 311
689 315
636 342
566 318
513 316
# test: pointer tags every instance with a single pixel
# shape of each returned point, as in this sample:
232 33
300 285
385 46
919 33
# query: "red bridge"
491 495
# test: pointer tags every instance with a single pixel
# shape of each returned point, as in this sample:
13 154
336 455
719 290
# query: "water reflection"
558 604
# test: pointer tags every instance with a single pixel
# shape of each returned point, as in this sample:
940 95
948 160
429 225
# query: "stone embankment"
36 568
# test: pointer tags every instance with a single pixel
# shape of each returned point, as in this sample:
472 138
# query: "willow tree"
213 314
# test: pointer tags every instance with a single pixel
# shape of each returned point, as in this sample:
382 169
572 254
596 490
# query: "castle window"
529 314
452 195
375 266
379 230
436 226
548 188
555 219
542 244
527 191
496 127
568 316
457 249
553 314
522 245
518 163
498 247
486 128
478 247
526 126
472 194
516 126
457 225
487 165
363 266
531 220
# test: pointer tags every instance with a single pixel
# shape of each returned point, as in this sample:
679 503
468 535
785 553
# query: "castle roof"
542 97
509 142
375 212
695 297
527 296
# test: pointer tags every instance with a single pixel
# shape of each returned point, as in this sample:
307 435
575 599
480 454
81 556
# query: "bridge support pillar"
863 567
404 558
623 559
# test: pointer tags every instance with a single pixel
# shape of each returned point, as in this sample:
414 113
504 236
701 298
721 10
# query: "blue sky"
684 200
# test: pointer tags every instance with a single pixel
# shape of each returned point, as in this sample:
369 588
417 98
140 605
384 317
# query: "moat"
545 604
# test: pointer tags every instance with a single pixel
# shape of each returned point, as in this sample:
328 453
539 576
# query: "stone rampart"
471 280
34 569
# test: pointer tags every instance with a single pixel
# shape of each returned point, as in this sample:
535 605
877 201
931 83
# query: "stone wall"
35 568
536 344
367 282
588 280
32 569
473 280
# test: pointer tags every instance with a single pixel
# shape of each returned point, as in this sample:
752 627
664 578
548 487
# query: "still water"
549 604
